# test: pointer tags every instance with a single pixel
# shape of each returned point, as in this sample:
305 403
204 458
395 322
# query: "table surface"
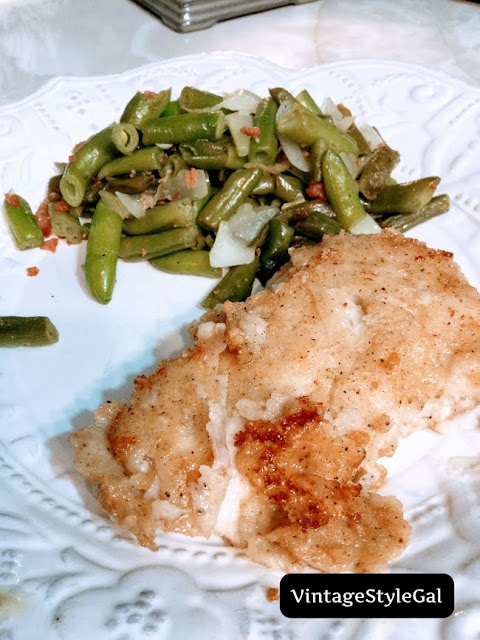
40 39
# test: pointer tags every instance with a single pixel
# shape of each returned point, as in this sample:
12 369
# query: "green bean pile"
313 175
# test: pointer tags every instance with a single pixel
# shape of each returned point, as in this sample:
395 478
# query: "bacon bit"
344 110
272 594
72 157
253 132
316 191
12 200
77 146
50 245
381 144
32 271
132 173
43 219
144 252
306 153
433 185
149 94
62 207
191 178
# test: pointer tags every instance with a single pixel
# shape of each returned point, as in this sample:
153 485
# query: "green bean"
235 286
341 191
142 160
21 331
317 150
184 128
174 214
317 225
172 109
22 223
305 99
233 193
191 99
102 252
288 188
172 165
188 262
212 155
145 106
275 252
264 149
65 225
302 210
404 198
355 133
146 247
405 221
92 193
125 137
88 160
377 171
266 186
133 185
304 127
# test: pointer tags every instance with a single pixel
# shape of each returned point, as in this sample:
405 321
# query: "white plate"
77 576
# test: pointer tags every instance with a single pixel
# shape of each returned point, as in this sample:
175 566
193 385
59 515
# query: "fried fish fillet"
268 430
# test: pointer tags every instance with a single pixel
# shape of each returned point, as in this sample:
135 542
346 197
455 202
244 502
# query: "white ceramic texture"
72 573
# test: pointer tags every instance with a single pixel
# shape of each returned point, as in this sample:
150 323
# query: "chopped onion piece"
365 225
133 203
164 145
111 201
241 100
228 251
233 243
371 135
248 221
236 121
350 161
188 183
338 119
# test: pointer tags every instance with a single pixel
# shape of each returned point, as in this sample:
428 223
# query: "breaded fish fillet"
269 429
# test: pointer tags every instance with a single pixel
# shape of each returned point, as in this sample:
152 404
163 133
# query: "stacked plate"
192 15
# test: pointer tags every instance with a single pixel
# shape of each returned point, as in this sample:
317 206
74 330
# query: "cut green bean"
146 159
405 221
173 215
275 251
236 189
125 137
235 286
102 252
304 127
302 210
317 150
377 170
406 197
212 155
188 262
87 162
172 109
65 225
32 331
266 186
305 99
133 185
147 247
343 195
288 188
191 99
22 223
264 149
145 106
184 128
317 225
